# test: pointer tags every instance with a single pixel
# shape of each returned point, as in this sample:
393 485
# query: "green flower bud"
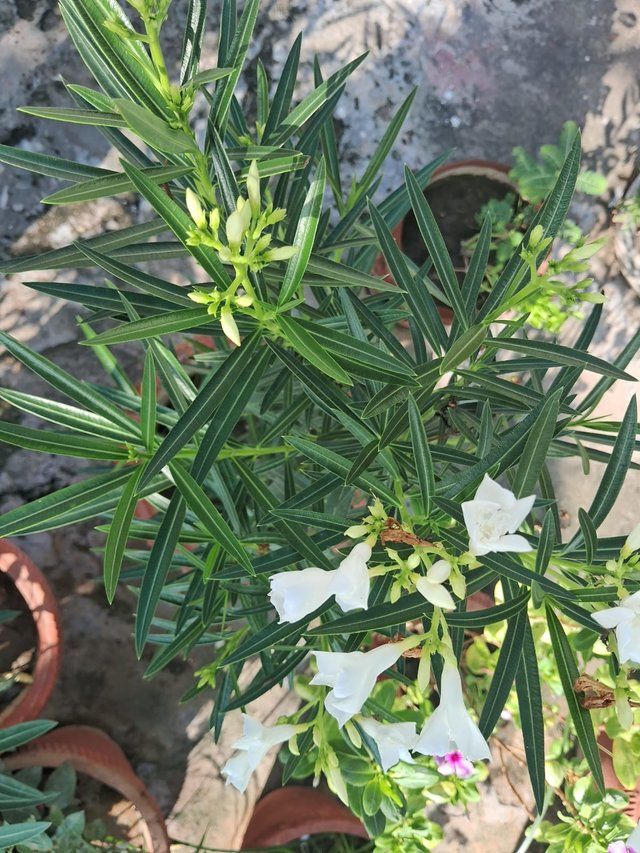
195 209
253 188
536 236
235 230
281 253
229 326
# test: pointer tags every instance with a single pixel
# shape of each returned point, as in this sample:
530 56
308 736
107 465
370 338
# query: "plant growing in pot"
332 481
32 632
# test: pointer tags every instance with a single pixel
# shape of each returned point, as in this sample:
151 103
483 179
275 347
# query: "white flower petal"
350 582
394 740
237 771
519 512
489 490
435 593
610 617
296 594
512 542
439 571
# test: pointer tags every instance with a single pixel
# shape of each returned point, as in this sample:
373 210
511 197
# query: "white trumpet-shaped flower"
394 740
632 542
255 743
493 517
352 676
625 619
296 594
450 728
432 585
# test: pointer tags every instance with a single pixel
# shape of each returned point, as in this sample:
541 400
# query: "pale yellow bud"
244 300
229 326
195 209
281 253
377 509
413 561
214 220
253 188
199 297
235 229
356 531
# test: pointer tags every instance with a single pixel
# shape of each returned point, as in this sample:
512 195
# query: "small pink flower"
454 763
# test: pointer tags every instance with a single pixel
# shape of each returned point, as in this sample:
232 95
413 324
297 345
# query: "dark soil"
18 643
455 202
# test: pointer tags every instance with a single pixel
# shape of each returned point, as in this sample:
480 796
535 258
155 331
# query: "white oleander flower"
632 542
352 676
432 585
394 740
625 619
450 728
296 594
256 741
492 518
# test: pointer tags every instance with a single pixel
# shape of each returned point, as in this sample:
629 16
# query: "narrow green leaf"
305 235
311 350
284 90
546 543
463 348
52 167
61 443
192 42
504 674
119 533
75 116
421 455
151 327
557 354
22 833
209 398
536 448
21 733
589 535
531 714
234 58
436 247
148 398
112 184
568 671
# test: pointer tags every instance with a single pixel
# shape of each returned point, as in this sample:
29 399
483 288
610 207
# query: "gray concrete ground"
491 74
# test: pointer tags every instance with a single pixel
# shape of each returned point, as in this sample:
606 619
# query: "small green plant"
39 812
627 212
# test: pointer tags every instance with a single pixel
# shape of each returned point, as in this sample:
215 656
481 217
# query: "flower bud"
281 253
195 209
235 230
253 188
244 300
199 297
535 236
356 531
229 326
214 220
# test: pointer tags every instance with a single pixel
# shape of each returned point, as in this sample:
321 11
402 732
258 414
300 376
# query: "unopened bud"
214 220
235 229
244 300
253 188
229 326
195 209
536 235
281 253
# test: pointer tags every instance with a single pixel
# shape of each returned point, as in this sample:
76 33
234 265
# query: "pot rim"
92 752
289 813
42 604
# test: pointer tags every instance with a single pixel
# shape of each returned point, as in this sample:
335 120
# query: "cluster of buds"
245 245
438 567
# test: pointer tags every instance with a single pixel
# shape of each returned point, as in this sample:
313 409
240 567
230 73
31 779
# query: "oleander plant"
332 474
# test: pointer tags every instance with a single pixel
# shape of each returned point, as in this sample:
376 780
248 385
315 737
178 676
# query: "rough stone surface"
492 74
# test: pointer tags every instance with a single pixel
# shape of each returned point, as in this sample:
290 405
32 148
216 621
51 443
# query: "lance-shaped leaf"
568 671
557 354
436 247
331 461
52 167
75 389
151 327
463 348
113 184
504 674
209 398
199 503
157 569
536 448
119 533
305 235
421 455
192 40
61 443
311 350
531 713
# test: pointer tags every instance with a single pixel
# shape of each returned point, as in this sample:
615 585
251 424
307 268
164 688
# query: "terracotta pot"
612 781
92 752
291 813
41 602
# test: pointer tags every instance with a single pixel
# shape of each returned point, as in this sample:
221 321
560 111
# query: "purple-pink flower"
454 764
631 845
